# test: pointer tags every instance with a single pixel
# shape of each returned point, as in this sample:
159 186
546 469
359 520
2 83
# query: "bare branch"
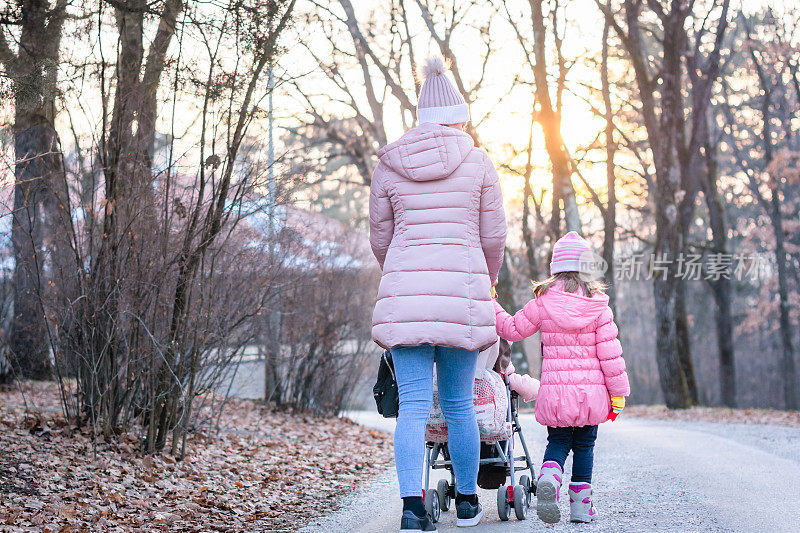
444 48
609 15
657 8
158 48
7 56
355 31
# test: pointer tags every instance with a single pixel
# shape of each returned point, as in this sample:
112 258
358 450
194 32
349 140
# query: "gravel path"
650 475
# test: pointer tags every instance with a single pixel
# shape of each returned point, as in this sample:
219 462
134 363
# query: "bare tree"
127 148
208 223
382 54
548 107
676 132
41 204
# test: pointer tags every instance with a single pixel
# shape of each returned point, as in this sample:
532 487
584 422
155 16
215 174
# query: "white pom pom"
433 66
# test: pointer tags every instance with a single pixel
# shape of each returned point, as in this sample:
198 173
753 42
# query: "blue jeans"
455 370
581 441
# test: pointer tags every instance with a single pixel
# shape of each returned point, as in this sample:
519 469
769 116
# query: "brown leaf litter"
267 470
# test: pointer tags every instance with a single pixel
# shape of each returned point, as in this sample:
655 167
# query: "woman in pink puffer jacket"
438 231
584 382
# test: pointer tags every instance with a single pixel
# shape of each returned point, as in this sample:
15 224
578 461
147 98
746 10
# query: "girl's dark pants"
581 441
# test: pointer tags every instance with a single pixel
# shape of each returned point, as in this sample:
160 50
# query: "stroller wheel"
503 506
443 490
521 499
432 504
525 481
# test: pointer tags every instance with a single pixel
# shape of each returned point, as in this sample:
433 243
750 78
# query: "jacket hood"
427 152
572 310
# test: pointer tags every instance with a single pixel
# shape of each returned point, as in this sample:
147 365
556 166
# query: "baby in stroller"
497 392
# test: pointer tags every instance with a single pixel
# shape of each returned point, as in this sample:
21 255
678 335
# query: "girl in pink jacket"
583 383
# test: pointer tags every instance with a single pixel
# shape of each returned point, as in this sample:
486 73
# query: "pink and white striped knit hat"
571 253
439 101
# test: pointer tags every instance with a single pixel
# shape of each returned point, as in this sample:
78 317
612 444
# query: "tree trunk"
686 209
670 373
722 287
668 231
6 374
505 288
610 215
690 169
788 369
724 322
38 173
527 197
272 357
130 204
550 120
683 341
666 288
527 234
131 132
121 195
28 340
505 297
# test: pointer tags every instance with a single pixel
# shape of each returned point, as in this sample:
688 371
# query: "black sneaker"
468 514
411 523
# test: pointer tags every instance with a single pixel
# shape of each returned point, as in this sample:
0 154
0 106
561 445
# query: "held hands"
617 405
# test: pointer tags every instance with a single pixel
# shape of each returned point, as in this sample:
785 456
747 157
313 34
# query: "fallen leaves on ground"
266 470
717 414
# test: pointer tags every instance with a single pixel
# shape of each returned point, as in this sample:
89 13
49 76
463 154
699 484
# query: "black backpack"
385 390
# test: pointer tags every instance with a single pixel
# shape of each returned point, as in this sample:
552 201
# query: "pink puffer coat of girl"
438 230
582 363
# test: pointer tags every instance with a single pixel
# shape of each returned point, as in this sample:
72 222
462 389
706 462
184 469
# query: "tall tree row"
678 53
137 134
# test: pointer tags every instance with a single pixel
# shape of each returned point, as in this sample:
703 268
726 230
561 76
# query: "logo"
591 266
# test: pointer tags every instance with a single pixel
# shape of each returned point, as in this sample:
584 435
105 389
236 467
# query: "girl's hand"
617 405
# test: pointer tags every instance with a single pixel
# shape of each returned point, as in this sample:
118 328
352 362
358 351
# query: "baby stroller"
497 462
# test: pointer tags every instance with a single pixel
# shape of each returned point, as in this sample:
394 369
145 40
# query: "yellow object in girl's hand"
494 293
617 405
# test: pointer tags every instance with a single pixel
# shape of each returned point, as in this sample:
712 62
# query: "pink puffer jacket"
438 230
582 362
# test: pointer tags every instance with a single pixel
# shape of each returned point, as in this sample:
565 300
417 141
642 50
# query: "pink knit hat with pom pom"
571 253
439 101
